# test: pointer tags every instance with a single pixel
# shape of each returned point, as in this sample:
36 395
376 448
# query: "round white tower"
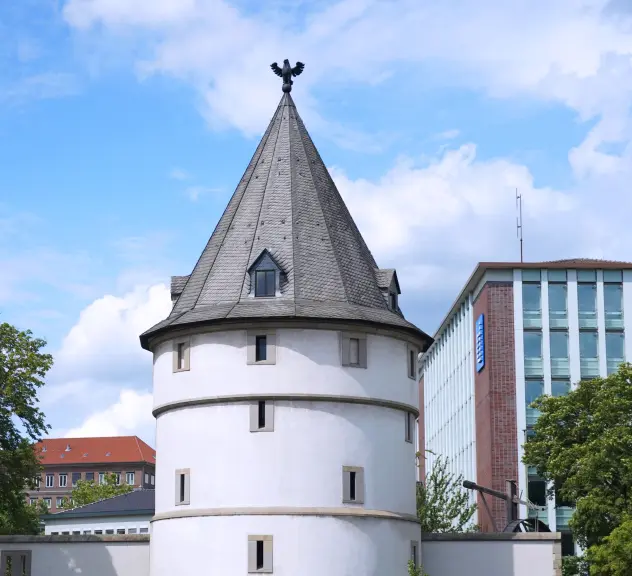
285 388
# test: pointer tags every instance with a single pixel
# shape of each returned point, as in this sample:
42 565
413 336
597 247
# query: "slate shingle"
288 204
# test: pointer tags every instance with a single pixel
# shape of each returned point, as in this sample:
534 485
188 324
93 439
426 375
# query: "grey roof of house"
287 203
133 503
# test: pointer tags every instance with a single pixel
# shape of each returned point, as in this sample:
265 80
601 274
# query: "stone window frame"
267 564
15 555
359 485
186 473
410 349
409 434
345 349
186 342
268 407
271 345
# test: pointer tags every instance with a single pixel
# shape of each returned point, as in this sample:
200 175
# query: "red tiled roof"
53 451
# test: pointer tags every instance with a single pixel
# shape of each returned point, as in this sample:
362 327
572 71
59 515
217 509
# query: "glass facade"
533 353
532 305
560 364
587 298
589 353
615 350
558 305
533 390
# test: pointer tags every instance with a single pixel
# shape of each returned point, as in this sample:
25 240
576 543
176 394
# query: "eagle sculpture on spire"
287 72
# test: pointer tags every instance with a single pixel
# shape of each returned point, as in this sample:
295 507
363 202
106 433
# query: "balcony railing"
614 320
588 319
533 367
562 516
589 367
558 319
532 318
612 364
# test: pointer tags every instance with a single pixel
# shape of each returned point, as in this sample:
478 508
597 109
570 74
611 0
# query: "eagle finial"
287 72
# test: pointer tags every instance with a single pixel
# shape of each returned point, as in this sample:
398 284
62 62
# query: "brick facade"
495 400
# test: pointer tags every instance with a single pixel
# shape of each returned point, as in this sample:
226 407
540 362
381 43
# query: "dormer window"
265 283
266 276
393 300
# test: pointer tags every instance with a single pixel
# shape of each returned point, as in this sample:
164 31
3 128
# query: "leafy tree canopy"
87 491
583 445
22 371
442 502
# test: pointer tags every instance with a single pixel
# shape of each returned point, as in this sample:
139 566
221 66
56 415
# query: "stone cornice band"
334 398
286 511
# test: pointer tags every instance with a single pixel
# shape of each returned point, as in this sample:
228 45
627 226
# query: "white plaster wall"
307 362
109 523
448 371
87 558
298 464
489 558
309 546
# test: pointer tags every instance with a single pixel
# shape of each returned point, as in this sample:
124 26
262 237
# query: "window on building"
181 355
52 534
131 530
536 490
66 533
63 480
412 363
32 501
97 532
59 501
265 283
87 531
534 388
354 350
353 485
558 308
110 531
89 476
152 479
588 354
560 364
261 347
50 480
146 478
613 304
410 426
414 553
101 477
262 416
560 386
76 476
261 343
259 554
587 302
615 353
392 296
144 530
120 530
117 476
48 502
531 305
15 562
130 478
533 366
76 532
183 482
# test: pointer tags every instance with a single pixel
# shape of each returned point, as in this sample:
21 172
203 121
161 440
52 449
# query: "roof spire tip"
286 73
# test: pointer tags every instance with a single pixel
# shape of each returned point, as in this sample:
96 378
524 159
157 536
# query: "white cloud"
179 174
40 87
131 415
193 193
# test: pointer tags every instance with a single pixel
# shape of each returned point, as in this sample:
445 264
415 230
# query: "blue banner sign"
480 343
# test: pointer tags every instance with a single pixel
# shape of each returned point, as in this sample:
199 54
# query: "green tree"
22 371
87 491
583 445
442 502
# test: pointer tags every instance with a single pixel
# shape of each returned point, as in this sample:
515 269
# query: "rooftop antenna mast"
519 222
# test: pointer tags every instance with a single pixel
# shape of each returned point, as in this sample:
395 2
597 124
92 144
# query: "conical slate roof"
286 209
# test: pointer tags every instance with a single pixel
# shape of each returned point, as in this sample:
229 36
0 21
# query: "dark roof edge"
235 323
70 514
482 267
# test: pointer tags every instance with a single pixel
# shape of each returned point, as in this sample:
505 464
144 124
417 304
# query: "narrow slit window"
352 486
409 427
181 356
354 351
182 487
183 479
259 554
411 363
262 414
261 348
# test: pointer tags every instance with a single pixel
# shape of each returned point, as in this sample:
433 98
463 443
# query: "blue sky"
125 126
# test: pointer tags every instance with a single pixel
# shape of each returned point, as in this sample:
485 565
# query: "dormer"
389 285
265 276
177 286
